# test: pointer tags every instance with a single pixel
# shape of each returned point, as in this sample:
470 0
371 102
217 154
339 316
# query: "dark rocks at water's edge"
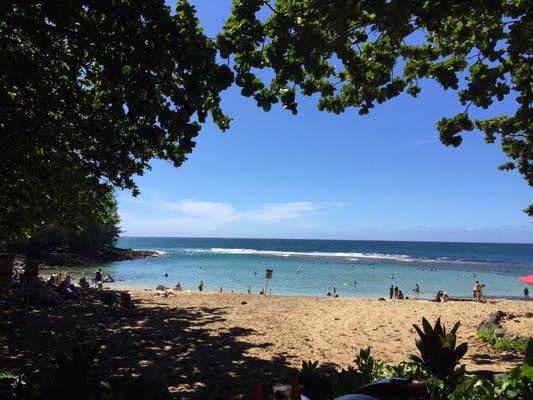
97 256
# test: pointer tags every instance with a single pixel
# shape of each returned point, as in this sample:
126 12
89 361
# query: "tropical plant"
519 383
439 357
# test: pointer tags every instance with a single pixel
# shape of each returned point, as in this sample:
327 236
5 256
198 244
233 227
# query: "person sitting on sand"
84 284
328 294
262 291
526 293
178 287
400 295
98 277
439 295
445 297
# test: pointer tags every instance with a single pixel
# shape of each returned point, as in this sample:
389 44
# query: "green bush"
504 343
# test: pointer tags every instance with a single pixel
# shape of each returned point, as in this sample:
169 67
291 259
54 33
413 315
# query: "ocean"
314 267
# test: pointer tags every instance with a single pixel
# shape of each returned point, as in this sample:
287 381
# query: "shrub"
505 343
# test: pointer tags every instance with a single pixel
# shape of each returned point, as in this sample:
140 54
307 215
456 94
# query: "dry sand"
215 346
333 330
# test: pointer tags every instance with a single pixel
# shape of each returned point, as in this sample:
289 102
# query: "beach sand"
215 346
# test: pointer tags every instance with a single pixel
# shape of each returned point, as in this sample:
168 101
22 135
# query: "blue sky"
319 175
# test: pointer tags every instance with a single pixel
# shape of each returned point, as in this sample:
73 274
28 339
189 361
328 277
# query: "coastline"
119 286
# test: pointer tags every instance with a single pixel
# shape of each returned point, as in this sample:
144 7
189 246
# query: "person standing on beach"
477 289
201 286
396 292
391 291
526 293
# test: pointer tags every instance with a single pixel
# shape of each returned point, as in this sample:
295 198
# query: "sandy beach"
212 345
332 330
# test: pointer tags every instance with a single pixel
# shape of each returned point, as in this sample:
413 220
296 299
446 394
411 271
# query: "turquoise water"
314 267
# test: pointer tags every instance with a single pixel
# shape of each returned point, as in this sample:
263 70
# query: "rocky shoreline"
60 258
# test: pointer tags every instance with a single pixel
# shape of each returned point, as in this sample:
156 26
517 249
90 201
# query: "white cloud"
423 142
276 212
219 212
191 217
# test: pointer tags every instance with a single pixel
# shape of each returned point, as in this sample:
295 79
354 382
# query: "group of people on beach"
478 290
396 294
62 282
442 296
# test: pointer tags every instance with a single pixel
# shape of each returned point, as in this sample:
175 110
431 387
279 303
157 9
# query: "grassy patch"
503 343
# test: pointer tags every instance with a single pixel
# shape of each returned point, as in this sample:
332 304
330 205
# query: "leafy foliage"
328 383
503 343
439 357
90 92
438 354
359 53
75 376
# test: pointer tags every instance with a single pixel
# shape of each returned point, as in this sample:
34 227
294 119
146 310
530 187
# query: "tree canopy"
91 91
359 53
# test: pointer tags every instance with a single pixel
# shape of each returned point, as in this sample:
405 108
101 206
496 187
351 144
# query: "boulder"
499 332
492 321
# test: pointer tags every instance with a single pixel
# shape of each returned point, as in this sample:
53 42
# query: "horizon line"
320 239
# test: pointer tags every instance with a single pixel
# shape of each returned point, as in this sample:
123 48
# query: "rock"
381 299
499 332
60 257
161 287
492 321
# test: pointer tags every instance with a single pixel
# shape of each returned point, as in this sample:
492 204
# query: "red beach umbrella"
527 279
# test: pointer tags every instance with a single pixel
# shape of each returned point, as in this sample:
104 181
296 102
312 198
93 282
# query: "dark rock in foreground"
97 256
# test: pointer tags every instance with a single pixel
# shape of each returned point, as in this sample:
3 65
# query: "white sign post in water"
268 275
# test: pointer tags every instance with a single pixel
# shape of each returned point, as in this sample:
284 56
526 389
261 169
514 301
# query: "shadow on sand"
175 346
